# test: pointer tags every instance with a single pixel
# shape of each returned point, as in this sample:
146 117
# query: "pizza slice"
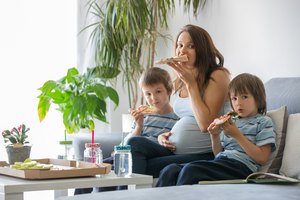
183 58
145 109
225 118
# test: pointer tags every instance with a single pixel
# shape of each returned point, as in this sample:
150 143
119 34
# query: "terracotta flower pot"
17 153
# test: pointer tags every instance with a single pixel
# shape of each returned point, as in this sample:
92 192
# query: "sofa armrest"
107 141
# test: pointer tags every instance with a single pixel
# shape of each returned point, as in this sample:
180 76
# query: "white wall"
37 43
255 36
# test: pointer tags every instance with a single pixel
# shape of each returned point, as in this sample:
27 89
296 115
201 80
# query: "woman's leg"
218 169
168 176
156 164
143 149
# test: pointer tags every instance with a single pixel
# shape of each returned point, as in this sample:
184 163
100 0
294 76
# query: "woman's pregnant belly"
188 138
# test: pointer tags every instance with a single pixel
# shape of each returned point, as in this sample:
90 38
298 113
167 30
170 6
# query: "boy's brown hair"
155 75
249 83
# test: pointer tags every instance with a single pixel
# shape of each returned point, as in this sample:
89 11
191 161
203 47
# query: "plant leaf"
43 107
12 139
113 95
101 91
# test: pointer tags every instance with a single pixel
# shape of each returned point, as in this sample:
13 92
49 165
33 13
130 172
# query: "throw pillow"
279 118
290 161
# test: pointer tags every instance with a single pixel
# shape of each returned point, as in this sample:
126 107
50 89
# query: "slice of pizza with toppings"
225 118
145 109
183 58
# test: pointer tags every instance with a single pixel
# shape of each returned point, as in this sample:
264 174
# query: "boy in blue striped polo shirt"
157 87
240 145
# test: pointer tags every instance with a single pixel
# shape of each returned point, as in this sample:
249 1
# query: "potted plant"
17 148
81 98
124 35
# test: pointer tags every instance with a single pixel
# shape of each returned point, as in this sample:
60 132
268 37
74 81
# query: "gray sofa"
200 192
107 141
286 160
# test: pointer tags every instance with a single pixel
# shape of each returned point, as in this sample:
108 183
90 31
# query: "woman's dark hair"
248 83
208 58
155 75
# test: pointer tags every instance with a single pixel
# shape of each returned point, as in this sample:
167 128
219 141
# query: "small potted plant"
16 138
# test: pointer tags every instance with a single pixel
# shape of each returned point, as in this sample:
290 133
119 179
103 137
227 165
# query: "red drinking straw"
93 141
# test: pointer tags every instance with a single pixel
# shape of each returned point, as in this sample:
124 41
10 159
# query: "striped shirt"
156 124
258 129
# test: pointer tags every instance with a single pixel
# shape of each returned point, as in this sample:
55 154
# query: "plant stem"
154 31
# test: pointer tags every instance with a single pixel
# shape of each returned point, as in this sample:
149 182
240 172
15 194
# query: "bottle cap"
92 145
120 147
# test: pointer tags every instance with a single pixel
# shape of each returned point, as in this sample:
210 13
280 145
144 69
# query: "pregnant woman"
201 96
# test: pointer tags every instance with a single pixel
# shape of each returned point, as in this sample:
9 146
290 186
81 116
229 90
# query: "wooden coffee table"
13 188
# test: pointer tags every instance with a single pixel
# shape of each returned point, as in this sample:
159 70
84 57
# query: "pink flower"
16 135
3 133
20 128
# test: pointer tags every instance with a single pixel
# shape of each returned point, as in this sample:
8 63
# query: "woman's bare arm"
214 97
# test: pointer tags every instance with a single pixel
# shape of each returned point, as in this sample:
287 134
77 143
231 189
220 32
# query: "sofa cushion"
283 91
291 159
200 192
279 118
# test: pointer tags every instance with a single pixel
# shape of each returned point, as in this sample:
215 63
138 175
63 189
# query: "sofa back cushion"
283 91
291 155
279 118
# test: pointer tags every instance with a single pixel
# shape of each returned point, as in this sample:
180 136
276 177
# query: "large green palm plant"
124 35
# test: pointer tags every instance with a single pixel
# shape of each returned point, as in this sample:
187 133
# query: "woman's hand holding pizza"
185 72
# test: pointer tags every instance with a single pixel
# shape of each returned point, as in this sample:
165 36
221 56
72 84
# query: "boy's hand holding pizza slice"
221 120
216 126
145 109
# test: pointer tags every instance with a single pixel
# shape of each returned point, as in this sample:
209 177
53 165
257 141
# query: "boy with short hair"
157 87
240 145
